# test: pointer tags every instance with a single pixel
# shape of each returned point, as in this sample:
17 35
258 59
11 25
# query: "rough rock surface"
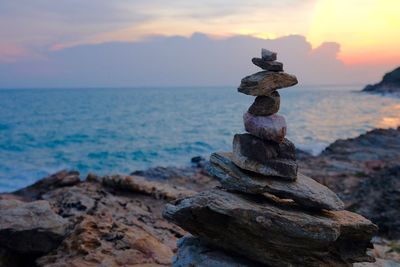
194 252
245 143
265 82
271 128
304 191
267 64
363 172
389 84
266 105
23 224
344 167
272 234
285 169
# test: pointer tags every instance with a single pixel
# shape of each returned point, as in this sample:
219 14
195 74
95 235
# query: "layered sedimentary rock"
266 211
273 234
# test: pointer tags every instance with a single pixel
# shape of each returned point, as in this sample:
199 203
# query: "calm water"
122 130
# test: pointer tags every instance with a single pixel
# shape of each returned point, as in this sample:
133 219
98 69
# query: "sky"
111 43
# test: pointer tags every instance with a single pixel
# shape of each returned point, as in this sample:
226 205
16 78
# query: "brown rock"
267 64
102 241
271 128
304 191
142 185
265 82
276 236
59 179
265 105
261 150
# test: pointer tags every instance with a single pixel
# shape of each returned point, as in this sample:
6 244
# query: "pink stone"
271 127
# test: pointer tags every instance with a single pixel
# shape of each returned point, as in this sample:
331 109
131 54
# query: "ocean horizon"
120 130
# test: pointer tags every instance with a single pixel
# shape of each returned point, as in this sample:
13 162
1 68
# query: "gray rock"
266 105
194 252
265 82
285 169
268 55
271 127
304 191
260 150
274 235
267 65
30 228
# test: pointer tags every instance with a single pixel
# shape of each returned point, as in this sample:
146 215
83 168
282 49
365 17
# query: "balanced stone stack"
266 213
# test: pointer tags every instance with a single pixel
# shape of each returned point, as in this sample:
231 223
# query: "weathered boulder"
275 235
30 228
271 128
267 64
304 191
266 105
265 82
100 240
195 252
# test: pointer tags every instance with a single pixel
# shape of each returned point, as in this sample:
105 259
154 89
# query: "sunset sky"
368 31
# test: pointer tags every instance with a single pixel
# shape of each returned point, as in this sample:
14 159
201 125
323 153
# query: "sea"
120 130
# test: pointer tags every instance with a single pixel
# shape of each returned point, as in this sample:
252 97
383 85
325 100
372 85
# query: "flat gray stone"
266 105
268 55
267 65
272 128
265 82
304 191
275 235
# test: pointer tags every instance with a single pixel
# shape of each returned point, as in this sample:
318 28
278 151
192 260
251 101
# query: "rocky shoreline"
117 220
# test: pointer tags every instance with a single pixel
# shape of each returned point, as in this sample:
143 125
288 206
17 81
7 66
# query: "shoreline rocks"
265 210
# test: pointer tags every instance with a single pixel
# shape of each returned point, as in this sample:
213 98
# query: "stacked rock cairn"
266 213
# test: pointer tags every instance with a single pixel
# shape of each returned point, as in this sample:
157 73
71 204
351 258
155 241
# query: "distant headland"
389 84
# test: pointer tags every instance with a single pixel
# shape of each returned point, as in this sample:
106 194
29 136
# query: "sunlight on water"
122 130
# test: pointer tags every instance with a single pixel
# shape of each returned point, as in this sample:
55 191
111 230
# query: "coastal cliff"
389 84
117 220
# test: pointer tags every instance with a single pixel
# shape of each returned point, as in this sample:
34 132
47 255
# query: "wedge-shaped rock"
271 128
266 105
271 234
304 191
265 82
285 169
267 64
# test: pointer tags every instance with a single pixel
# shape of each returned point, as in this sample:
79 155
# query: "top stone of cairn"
264 83
268 55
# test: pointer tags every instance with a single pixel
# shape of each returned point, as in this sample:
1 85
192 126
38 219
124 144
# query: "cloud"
179 61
